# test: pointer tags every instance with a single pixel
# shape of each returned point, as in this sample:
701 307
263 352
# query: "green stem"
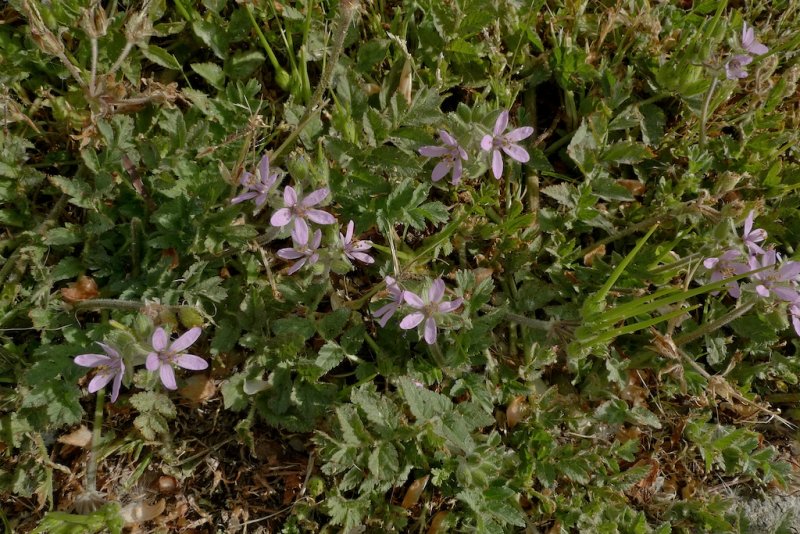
347 9
704 112
115 304
437 354
97 429
714 325
281 76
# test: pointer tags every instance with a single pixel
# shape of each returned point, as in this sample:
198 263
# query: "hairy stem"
714 325
704 112
347 9
97 429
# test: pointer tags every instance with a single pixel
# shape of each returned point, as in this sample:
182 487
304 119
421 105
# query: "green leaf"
424 403
161 57
211 72
626 152
330 355
384 462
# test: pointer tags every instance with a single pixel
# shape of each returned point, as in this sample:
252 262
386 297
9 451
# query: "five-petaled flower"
165 355
303 251
298 210
257 185
505 142
780 279
355 250
735 66
109 366
385 312
753 237
750 43
725 266
450 152
427 310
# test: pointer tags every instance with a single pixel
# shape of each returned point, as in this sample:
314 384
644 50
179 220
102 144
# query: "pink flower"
165 355
750 43
427 311
385 312
780 280
752 237
450 152
794 311
298 210
355 250
723 267
302 250
109 366
506 143
258 185
734 67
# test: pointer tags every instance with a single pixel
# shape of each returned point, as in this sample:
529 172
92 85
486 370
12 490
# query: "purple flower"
723 267
506 142
109 366
427 311
734 68
752 237
450 152
302 251
298 210
794 311
165 355
385 312
779 280
355 250
749 42
258 185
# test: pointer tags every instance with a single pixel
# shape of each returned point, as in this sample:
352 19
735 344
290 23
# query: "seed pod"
414 491
437 523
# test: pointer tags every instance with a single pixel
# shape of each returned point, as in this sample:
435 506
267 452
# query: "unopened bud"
138 28
94 22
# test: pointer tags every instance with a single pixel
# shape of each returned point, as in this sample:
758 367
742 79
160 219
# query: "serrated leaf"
159 56
384 462
330 355
211 72
424 403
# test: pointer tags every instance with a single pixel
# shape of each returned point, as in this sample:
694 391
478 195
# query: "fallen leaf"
85 288
198 389
414 491
139 512
80 437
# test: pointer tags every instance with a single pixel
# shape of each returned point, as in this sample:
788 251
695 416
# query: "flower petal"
501 123
289 254
115 387
487 142
519 134
99 381
436 291
263 169
190 361
281 218
411 320
289 196
315 197
441 170
296 267
447 307
748 222
364 258
159 340
186 340
457 171
384 313
152 362
92 360
321 217
348 236
430 331
517 153
413 300
447 138
167 374
300 235
497 164
316 239
433 151
245 196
